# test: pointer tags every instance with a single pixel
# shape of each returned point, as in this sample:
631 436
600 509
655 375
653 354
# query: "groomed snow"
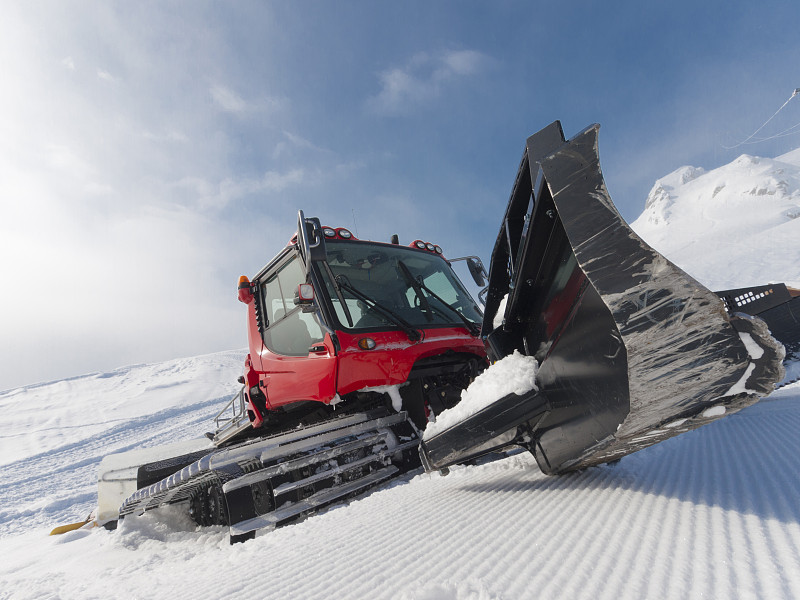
713 513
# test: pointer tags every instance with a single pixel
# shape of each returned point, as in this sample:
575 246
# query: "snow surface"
713 513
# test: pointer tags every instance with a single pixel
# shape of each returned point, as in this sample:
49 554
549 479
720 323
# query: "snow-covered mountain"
712 513
735 226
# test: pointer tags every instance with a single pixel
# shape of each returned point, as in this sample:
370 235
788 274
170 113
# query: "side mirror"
477 270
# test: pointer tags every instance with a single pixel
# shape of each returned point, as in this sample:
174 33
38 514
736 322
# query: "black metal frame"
772 303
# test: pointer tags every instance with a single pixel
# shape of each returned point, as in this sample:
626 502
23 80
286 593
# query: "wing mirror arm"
476 269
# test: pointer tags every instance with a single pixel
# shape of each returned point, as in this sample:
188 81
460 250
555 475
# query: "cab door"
298 357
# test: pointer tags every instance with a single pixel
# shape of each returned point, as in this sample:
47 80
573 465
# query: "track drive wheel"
207 506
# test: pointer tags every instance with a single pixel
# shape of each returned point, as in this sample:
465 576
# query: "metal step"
231 420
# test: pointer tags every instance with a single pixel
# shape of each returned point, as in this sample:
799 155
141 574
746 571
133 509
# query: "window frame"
272 277
332 316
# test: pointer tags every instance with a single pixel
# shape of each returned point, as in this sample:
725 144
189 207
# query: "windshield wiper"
417 290
338 289
412 333
473 328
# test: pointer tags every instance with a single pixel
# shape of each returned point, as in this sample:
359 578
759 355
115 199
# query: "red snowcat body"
304 351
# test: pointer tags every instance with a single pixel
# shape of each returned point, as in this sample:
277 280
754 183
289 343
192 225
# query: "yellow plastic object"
71 527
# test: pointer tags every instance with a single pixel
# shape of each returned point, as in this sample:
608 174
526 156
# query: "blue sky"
154 151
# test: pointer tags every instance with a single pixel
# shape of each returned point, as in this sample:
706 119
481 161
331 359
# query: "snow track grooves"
691 517
58 432
711 513
74 466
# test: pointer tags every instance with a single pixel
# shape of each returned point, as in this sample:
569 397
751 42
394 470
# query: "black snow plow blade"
631 349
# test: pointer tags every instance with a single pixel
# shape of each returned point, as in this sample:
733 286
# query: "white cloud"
270 182
273 181
103 261
106 76
302 142
227 99
462 62
232 102
424 79
66 161
169 135
293 142
213 196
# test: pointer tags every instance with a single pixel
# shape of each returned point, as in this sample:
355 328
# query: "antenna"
795 93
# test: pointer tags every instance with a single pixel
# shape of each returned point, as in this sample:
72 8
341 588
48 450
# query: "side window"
290 331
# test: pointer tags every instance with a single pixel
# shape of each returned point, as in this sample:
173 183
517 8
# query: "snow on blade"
740 387
514 374
501 311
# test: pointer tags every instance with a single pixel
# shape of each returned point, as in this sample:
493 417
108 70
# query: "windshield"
381 273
